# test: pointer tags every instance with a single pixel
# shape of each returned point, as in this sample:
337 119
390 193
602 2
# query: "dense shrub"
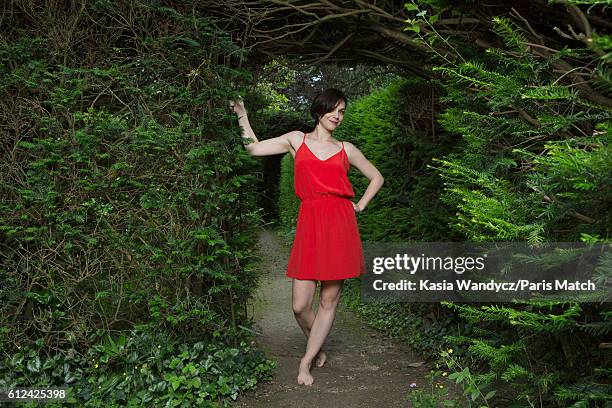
127 202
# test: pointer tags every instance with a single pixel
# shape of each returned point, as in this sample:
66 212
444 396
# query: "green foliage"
513 334
488 207
498 199
533 164
140 368
288 202
127 202
434 397
576 175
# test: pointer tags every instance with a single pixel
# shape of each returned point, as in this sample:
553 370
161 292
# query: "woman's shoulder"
295 138
348 144
349 148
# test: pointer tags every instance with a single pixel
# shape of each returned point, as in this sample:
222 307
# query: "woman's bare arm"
275 145
357 159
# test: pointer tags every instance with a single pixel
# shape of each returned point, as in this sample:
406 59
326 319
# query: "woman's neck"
321 134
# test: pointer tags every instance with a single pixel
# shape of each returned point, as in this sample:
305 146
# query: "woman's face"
331 120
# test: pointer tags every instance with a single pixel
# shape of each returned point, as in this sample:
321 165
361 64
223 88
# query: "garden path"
363 369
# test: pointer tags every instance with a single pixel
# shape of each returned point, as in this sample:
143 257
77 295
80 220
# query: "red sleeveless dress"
327 245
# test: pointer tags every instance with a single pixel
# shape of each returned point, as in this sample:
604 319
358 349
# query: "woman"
327 246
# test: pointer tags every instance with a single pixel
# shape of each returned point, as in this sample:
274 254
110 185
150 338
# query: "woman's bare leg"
324 319
303 295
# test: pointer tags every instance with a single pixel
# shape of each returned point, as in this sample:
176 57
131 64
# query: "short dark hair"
325 102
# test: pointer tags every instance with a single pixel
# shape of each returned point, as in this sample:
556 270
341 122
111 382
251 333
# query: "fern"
584 392
459 75
550 92
598 329
603 81
507 30
515 371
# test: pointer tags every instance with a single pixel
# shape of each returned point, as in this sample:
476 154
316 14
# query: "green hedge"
128 207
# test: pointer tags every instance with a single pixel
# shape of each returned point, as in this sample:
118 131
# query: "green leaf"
453 376
34 365
189 41
70 378
27 145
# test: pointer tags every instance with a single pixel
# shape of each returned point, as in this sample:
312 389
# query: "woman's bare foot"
321 357
304 376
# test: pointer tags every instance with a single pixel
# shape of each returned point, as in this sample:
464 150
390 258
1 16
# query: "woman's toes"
304 376
321 357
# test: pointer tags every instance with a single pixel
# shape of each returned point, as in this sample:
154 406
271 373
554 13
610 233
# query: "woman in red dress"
327 246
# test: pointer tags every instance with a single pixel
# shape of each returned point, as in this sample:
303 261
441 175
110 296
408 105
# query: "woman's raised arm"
275 145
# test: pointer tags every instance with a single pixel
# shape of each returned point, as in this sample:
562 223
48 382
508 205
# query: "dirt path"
363 369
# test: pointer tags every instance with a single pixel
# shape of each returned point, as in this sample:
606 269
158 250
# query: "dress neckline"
311 152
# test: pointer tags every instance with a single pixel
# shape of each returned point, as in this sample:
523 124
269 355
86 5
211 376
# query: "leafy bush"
141 368
127 202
